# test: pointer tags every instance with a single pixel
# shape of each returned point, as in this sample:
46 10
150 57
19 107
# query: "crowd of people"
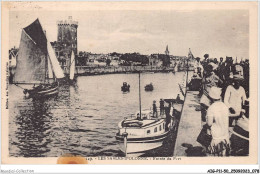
224 98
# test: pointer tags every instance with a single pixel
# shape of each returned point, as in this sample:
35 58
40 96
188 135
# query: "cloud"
217 32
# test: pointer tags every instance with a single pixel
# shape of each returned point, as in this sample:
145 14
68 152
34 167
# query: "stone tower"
67 35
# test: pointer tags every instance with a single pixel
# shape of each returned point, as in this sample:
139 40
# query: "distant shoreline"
87 71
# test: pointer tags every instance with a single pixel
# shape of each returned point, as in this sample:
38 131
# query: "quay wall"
190 124
87 70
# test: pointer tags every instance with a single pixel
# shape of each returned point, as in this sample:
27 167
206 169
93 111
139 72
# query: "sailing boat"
146 131
72 67
37 66
12 60
175 68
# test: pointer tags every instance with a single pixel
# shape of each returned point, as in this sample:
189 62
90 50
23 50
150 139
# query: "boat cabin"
146 126
145 115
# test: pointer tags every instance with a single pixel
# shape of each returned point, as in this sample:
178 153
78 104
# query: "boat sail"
13 59
37 64
72 65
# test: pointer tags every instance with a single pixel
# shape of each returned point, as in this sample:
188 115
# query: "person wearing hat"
235 97
214 65
155 114
209 80
217 120
167 108
161 106
228 67
221 69
215 61
239 70
198 68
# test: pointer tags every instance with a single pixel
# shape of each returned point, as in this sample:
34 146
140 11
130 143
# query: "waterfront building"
154 60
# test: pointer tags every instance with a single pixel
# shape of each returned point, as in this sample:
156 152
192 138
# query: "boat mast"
46 69
187 67
140 107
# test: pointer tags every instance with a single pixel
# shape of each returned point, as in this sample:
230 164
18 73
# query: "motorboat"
144 132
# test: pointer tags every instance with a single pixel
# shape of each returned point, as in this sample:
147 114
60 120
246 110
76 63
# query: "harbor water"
83 118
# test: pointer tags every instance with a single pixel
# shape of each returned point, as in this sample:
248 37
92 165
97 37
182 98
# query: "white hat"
215 92
214 66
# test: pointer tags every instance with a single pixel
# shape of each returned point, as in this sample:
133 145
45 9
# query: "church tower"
167 51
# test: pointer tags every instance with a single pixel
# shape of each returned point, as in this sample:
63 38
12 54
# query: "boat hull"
139 146
43 92
125 88
148 88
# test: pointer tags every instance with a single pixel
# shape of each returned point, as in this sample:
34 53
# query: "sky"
219 33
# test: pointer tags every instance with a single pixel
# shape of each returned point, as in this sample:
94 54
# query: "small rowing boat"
148 87
125 87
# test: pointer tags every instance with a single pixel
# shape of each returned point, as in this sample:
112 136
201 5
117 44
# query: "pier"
190 124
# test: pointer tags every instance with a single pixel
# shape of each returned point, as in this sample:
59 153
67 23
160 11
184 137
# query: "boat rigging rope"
19 86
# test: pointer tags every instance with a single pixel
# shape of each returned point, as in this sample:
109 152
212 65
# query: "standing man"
246 77
155 114
168 116
215 61
234 98
161 107
221 69
205 61
178 98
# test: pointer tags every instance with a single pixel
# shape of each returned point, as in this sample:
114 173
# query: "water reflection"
32 135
